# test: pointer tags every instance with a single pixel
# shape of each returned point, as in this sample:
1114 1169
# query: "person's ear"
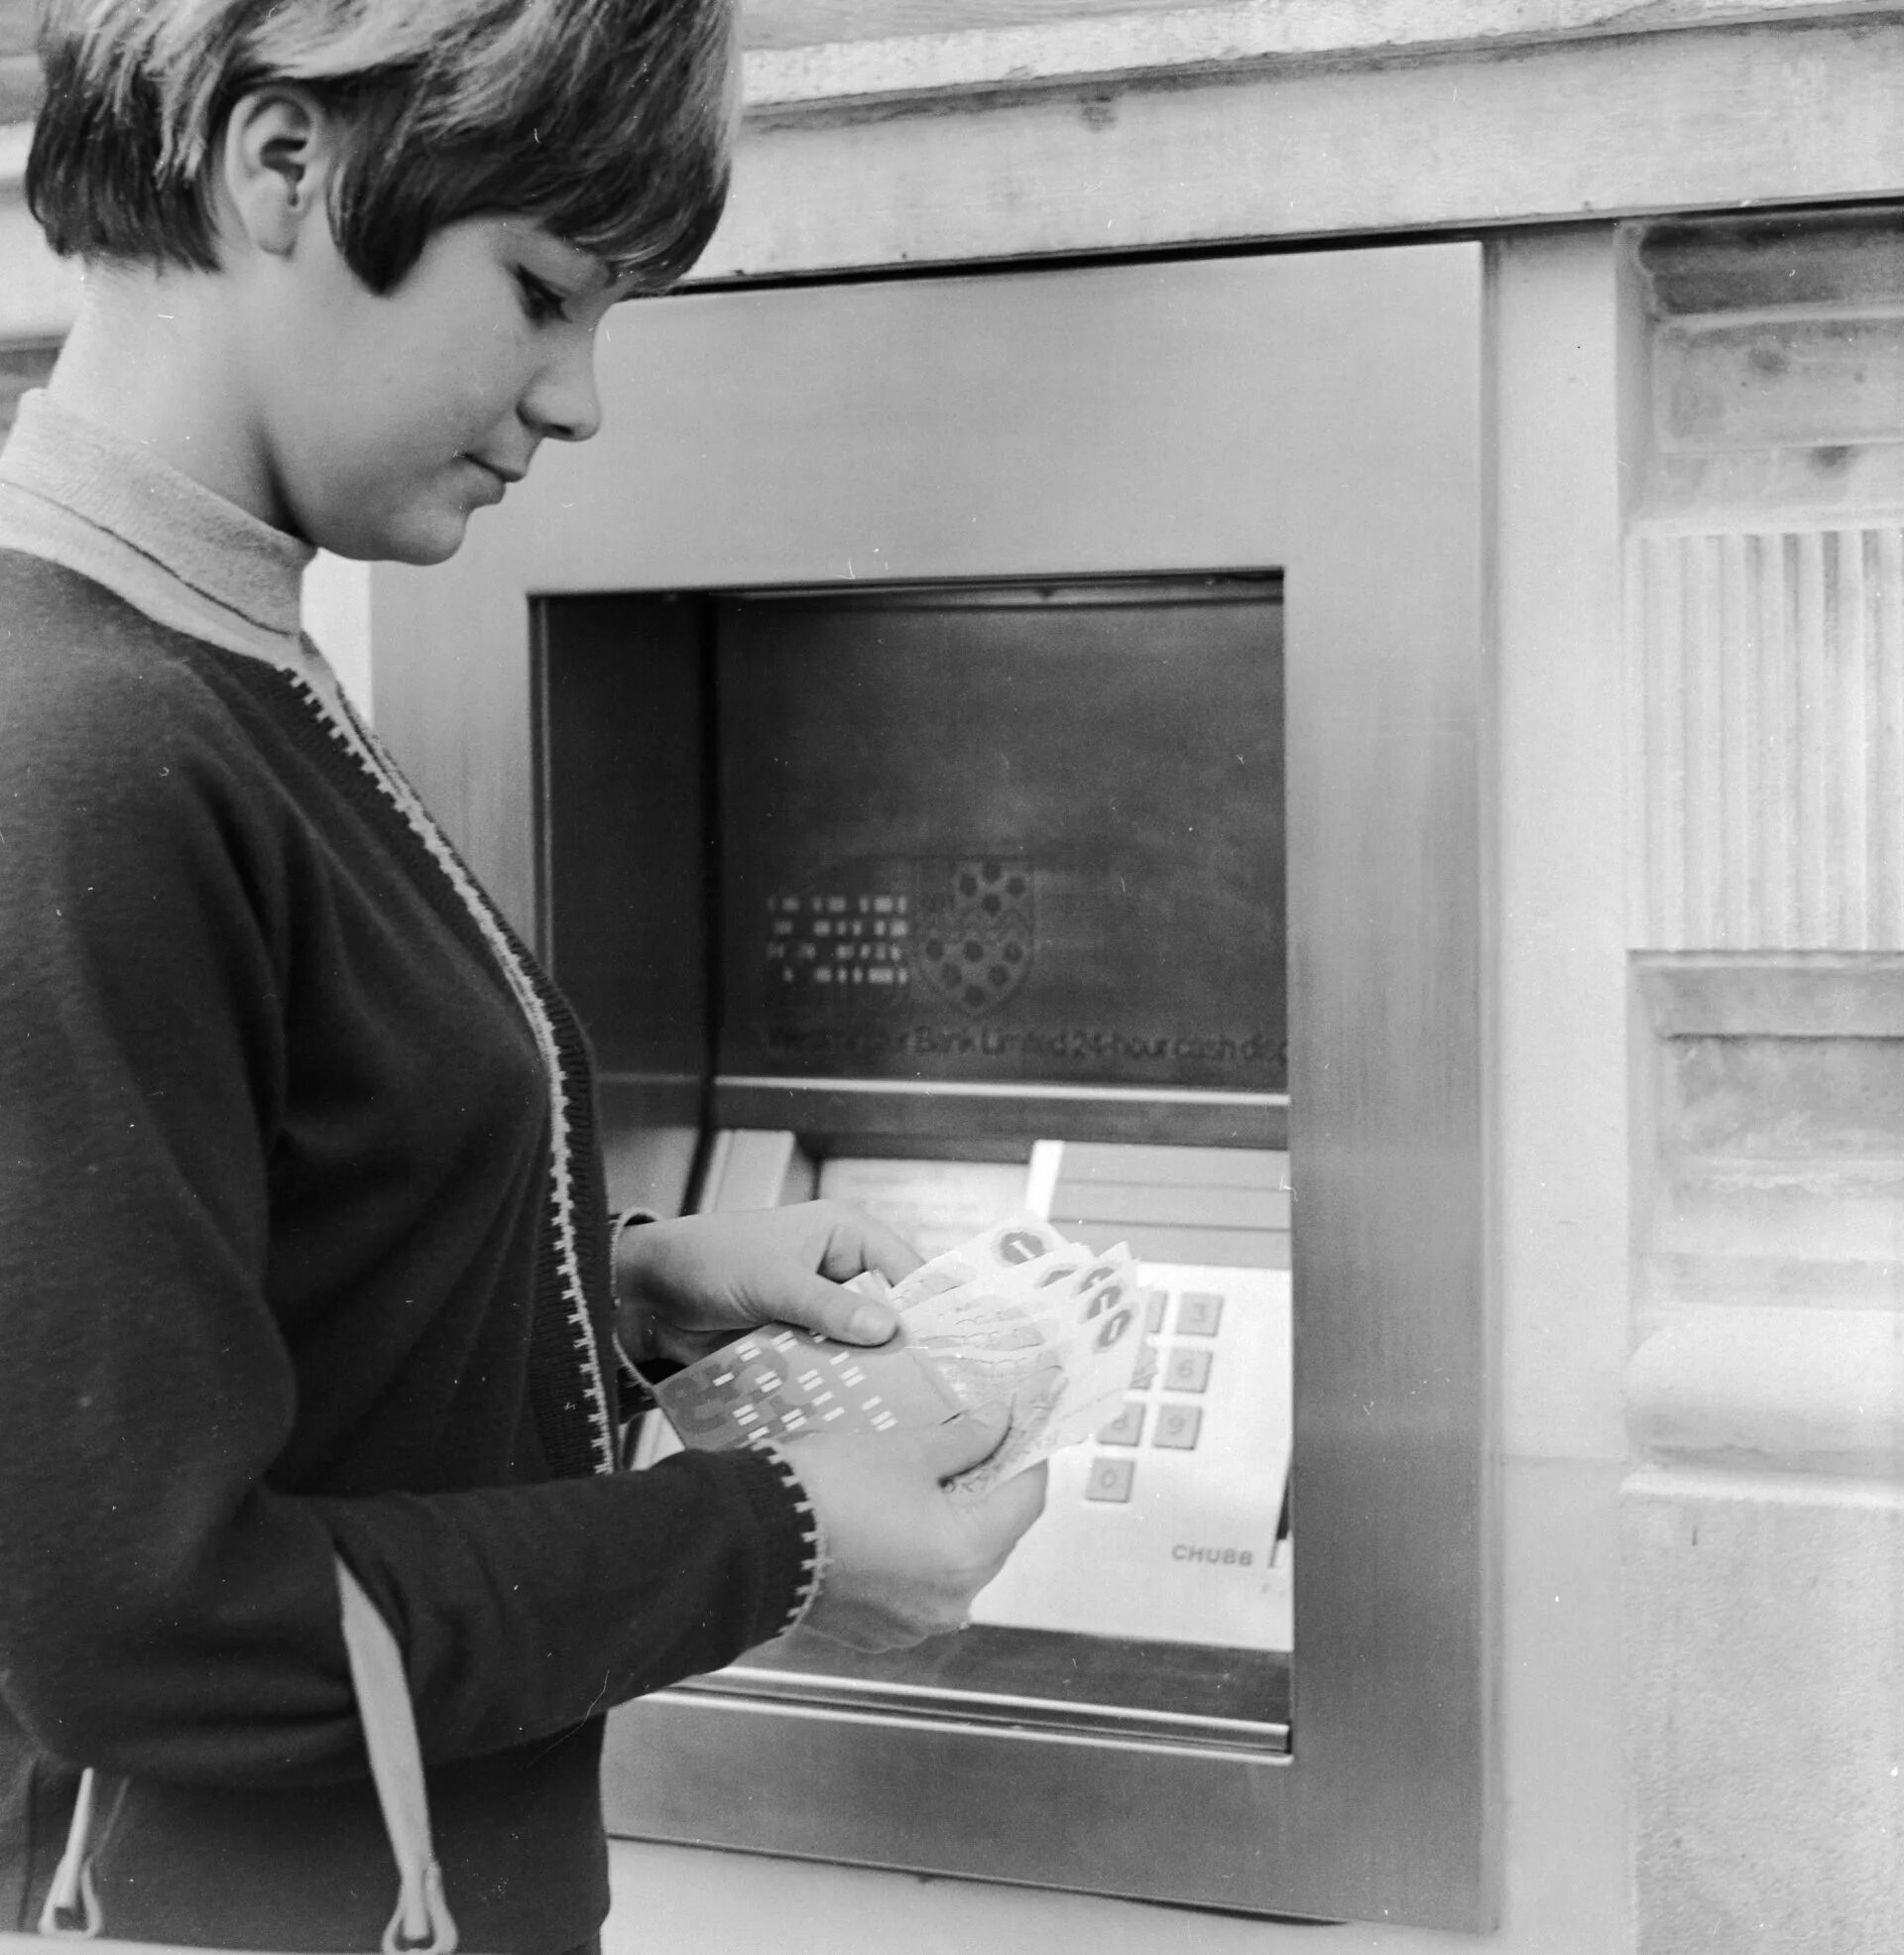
276 163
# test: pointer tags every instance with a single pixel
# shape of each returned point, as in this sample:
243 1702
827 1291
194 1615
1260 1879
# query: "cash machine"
1017 742
989 917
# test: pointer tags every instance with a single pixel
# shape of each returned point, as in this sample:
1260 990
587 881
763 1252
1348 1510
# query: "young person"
303 1245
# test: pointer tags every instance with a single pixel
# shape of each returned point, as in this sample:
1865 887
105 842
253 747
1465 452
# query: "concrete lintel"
820 63
814 56
1506 134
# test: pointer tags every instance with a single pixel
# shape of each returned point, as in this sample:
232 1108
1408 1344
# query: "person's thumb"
832 1311
962 1441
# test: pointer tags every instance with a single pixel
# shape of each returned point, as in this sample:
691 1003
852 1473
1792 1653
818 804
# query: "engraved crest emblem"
973 933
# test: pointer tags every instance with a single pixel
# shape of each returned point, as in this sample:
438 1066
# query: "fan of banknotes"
1019 1315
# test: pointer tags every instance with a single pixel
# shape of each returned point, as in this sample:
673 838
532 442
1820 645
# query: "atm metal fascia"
1386 1806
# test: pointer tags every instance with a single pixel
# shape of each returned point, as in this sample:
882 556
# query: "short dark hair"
606 120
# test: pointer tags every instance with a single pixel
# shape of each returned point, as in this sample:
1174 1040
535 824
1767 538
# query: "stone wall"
1764 1519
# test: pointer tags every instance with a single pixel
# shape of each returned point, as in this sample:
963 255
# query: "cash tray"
1111 1689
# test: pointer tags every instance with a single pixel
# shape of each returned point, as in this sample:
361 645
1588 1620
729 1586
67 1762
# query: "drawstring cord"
422 1924
71 1912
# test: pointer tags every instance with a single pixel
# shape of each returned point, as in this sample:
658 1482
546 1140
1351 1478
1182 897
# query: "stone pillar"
1763 1522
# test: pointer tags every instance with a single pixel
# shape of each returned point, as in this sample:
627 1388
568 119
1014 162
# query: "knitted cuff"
812 1539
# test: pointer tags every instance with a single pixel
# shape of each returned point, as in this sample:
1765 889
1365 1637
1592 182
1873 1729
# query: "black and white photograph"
952 977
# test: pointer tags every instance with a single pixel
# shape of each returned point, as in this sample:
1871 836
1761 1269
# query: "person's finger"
828 1311
856 1242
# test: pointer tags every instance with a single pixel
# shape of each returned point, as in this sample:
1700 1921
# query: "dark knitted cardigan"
302 1252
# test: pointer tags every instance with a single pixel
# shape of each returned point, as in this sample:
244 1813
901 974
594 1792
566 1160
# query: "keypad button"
1178 1428
1153 1302
1127 1429
1146 1374
1111 1479
1199 1313
1186 1370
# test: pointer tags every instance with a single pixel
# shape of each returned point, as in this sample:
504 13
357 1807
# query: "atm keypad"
1164 1371
1127 1429
1172 1511
1146 1374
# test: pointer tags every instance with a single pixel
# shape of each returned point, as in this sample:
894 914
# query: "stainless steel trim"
1215 588
990 1117
1002 1091
1025 1717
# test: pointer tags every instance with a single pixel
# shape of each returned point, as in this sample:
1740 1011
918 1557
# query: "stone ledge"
1768 1096
990 52
1800 490
1761 1388
1665 1485
808 55
1776 352
1769 262
805 60
1573 127
1774 995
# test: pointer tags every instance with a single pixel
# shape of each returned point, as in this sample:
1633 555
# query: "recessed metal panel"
1024 833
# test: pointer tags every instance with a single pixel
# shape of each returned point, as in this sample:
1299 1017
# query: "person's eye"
541 302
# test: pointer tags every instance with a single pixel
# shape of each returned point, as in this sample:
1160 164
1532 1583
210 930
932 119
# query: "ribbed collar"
208 545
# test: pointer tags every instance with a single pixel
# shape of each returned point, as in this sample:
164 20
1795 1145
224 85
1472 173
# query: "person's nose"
562 401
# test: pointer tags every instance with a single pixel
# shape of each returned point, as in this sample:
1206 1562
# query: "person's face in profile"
395 417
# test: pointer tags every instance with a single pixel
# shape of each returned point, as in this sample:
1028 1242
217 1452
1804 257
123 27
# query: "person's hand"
688 1287
904 1558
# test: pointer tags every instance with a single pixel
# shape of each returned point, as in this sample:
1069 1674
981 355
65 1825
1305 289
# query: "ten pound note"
1017 1315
